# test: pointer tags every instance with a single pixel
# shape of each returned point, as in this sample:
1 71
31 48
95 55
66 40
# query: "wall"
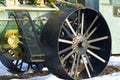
114 23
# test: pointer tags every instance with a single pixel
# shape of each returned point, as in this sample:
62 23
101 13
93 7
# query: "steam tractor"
69 37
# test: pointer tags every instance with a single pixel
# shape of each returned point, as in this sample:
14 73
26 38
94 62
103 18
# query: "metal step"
37 61
37 58
38 55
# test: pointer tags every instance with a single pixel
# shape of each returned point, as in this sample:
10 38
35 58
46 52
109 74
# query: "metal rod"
90 34
70 26
86 67
26 8
16 62
67 56
96 56
87 58
79 23
77 66
55 6
94 47
21 19
70 3
65 41
64 50
73 65
98 39
93 22
68 32
82 25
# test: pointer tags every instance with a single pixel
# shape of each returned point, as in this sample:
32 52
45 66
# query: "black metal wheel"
77 43
16 63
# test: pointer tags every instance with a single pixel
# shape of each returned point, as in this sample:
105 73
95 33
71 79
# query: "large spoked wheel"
77 43
17 64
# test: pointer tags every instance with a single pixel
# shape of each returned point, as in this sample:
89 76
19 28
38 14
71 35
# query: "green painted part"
113 23
39 19
3 15
6 24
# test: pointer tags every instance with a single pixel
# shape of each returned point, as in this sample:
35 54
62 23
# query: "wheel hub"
80 44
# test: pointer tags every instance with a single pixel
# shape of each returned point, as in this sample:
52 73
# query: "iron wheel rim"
60 35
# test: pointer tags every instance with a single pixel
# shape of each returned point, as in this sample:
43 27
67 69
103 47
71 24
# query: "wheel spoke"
82 25
70 26
95 19
78 30
69 34
86 67
92 32
96 56
16 62
65 41
73 65
75 20
94 47
21 64
65 50
67 56
77 65
28 66
91 67
79 24
98 39
31 66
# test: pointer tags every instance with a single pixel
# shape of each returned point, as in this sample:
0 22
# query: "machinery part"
18 65
39 3
14 60
13 38
29 36
77 43
17 57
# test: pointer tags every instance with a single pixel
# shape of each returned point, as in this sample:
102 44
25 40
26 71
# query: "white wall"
114 24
